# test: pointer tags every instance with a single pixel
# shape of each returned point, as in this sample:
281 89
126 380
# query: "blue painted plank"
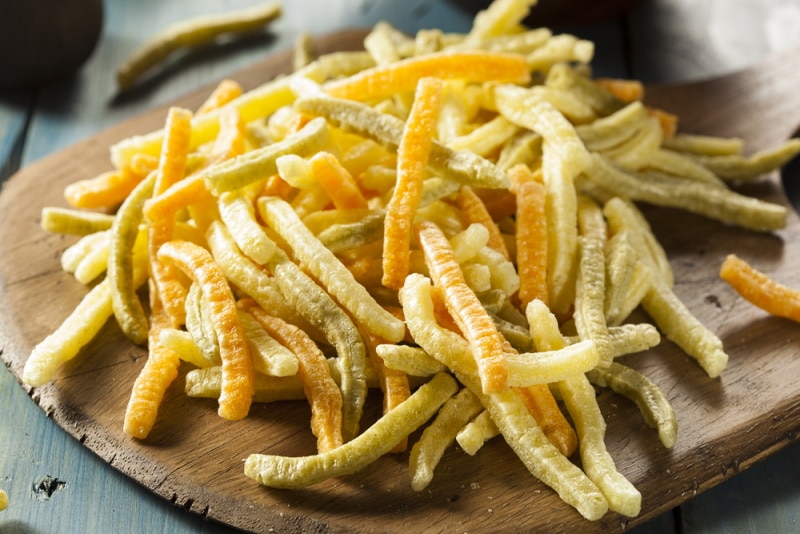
663 524
93 497
14 113
764 498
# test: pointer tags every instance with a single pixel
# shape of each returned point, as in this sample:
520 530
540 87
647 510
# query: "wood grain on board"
195 459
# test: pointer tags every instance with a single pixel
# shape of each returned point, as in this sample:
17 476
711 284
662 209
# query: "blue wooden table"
55 485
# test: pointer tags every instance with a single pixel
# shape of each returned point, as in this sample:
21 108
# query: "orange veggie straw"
175 148
667 121
441 311
230 141
402 76
160 213
412 160
365 269
275 186
488 346
543 407
538 400
321 390
104 191
171 170
337 182
159 371
531 235
185 193
393 383
474 211
226 91
630 90
500 203
238 380
761 290
625 90
309 200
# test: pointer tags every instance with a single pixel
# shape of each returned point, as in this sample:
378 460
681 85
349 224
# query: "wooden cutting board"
195 459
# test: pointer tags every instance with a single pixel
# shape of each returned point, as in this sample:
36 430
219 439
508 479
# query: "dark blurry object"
46 40
565 12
